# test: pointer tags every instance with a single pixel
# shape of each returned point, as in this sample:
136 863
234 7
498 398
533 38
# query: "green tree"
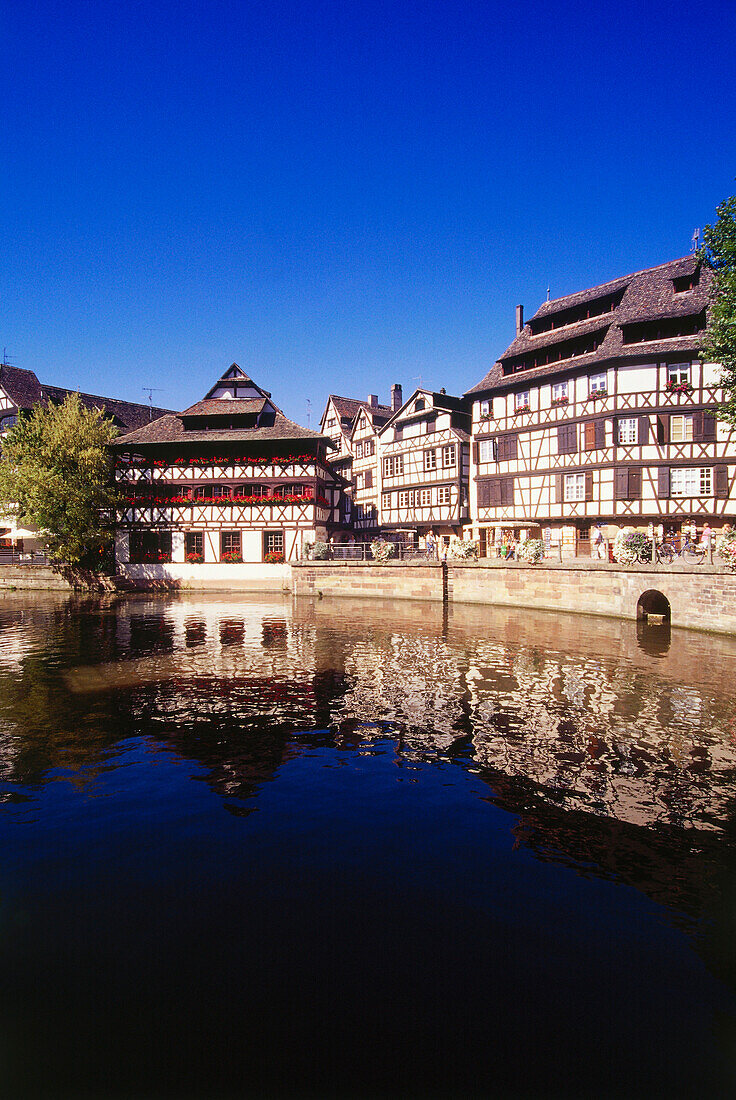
719 342
56 475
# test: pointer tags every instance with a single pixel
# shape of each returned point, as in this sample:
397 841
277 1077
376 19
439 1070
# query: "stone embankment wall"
701 597
32 577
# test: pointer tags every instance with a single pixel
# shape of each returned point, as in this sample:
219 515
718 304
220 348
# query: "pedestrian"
706 536
598 541
430 545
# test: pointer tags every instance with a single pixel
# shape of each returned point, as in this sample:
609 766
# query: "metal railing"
361 551
23 557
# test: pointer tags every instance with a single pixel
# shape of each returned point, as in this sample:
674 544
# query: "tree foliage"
56 475
719 343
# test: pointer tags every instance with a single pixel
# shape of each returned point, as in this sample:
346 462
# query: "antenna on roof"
547 293
5 362
695 241
309 413
150 390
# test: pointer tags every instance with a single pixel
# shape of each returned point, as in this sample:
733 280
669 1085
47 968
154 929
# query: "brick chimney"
396 397
519 319
372 400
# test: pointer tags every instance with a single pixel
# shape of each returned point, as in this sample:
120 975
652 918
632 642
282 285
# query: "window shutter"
634 483
559 488
709 426
643 430
476 453
588 484
663 429
600 434
621 484
507 490
720 479
501 448
590 435
495 489
663 482
484 496
369 479
563 439
512 447
697 427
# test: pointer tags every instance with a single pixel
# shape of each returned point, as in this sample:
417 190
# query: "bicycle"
664 553
692 553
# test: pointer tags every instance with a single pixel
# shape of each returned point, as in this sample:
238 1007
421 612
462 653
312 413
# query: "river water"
256 847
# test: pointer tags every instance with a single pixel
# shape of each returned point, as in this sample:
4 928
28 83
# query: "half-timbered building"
228 481
424 453
603 410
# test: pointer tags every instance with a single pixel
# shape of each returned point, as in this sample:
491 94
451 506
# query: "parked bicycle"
664 553
692 552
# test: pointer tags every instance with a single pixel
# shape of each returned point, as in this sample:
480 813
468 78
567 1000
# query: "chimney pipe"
396 398
519 319
372 400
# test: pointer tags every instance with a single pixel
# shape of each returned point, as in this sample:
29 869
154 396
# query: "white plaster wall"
248 577
637 379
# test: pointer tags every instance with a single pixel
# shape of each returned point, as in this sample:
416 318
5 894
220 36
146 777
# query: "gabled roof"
24 390
172 429
442 401
236 375
647 295
347 408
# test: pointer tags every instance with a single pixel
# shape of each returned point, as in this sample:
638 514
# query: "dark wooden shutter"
559 488
697 427
600 433
495 490
720 478
501 444
590 444
643 430
588 484
663 429
484 495
507 490
663 482
369 479
621 484
709 426
512 447
634 483
476 450
566 439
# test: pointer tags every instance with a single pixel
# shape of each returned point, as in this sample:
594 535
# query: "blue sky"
339 195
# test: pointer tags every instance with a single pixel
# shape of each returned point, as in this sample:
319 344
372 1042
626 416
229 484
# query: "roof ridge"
618 279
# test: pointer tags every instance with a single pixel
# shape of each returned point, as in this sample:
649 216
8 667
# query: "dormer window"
686 282
420 404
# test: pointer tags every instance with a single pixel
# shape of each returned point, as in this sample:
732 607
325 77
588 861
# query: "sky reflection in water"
255 847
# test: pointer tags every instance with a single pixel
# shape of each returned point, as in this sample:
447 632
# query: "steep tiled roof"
647 295
348 407
170 429
238 406
25 391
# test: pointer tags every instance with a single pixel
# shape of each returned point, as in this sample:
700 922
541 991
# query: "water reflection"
596 747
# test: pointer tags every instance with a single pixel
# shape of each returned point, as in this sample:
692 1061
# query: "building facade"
228 481
602 410
424 452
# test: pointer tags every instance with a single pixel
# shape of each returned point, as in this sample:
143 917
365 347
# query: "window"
628 430
221 492
194 545
420 404
575 486
331 422
567 439
230 546
358 450
678 373
597 383
406 498
485 409
241 491
150 546
695 482
425 497
559 391
201 492
521 399
485 450
681 429
448 456
443 494
273 542
360 481
386 500
430 460
369 448
394 466
398 433
7 422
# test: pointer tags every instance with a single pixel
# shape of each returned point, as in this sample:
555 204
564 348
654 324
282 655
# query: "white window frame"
678 373
627 431
358 450
521 400
449 456
691 481
681 429
444 494
485 451
559 391
406 498
393 466
574 487
360 481
597 383
425 498
430 460
386 501
484 409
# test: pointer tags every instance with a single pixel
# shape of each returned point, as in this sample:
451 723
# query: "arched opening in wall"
654 607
